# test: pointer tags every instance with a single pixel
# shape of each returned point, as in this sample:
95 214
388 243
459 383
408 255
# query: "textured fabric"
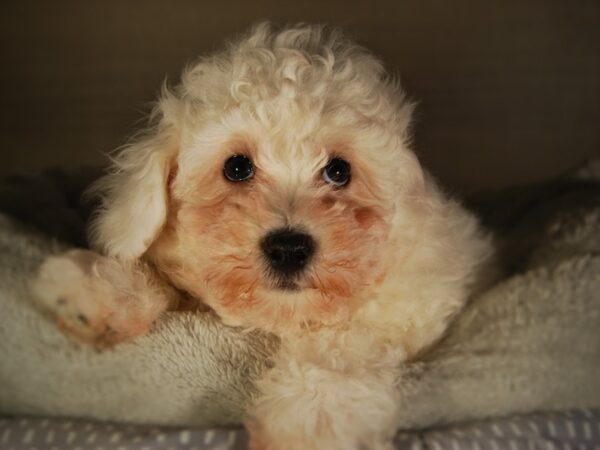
565 430
577 430
530 343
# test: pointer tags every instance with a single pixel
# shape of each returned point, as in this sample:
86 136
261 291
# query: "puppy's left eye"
238 168
337 172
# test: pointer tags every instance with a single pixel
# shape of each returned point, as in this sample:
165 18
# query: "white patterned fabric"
575 430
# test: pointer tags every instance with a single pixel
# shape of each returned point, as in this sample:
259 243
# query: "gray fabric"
577 430
561 430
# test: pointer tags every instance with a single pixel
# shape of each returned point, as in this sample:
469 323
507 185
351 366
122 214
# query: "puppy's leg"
327 391
99 299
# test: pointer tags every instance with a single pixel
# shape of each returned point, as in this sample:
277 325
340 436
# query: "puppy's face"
285 181
270 227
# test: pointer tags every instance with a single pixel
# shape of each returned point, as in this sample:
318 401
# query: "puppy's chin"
282 308
286 286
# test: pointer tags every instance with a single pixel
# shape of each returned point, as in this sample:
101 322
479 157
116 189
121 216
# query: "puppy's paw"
91 298
259 440
311 401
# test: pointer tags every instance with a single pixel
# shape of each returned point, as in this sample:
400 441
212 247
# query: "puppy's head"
272 182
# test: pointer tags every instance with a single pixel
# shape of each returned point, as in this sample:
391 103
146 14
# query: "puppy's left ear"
133 196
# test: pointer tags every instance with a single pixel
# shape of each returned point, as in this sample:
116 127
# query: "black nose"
288 251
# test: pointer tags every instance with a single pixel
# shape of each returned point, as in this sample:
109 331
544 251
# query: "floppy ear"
133 196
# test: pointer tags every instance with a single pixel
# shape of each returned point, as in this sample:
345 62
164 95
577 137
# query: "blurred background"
508 91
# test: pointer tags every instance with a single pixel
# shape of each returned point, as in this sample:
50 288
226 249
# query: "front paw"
323 410
85 304
297 440
260 440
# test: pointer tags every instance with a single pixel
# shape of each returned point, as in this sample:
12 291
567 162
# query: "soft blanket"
530 343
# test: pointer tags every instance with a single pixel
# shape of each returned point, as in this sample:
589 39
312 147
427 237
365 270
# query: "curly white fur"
396 258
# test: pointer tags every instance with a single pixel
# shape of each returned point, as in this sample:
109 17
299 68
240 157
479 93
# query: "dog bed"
568 430
531 343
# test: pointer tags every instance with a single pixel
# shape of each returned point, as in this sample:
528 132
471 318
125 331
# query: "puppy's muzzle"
287 251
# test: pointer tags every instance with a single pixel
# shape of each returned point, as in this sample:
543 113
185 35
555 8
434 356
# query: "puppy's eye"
337 172
238 168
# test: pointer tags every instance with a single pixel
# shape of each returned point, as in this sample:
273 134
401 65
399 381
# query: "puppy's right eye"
238 168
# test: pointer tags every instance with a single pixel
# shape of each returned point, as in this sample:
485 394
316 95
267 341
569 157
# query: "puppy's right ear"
133 196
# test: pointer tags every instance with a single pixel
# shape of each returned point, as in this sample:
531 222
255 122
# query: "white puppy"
277 186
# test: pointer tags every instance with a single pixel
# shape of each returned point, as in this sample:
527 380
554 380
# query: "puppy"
276 185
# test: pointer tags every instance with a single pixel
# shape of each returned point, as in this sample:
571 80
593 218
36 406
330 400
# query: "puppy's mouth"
286 285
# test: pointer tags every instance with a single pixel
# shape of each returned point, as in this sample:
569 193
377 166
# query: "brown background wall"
509 91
